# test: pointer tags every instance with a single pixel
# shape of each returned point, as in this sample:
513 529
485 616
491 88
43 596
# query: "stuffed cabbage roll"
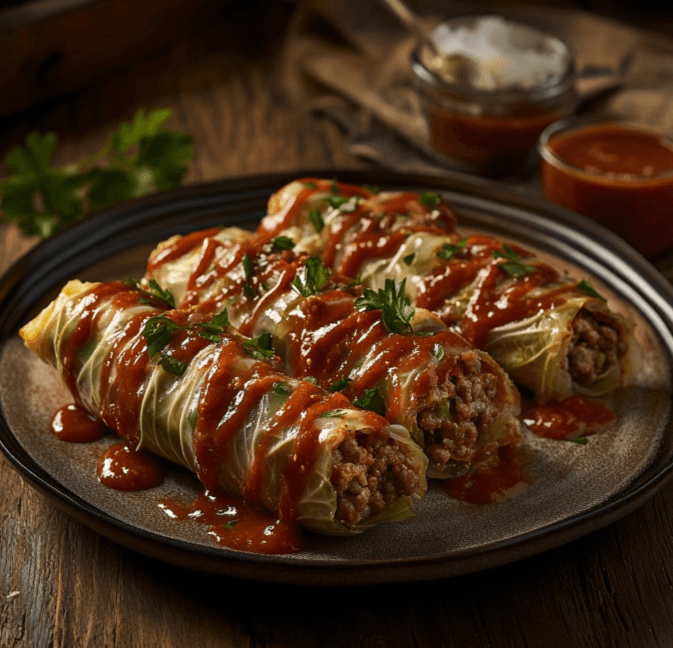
552 334
188 387
376 349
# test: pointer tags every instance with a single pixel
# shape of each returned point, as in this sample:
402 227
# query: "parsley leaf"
155 292
438 351
340 384
409 259
310 185
449 250
396 309
140 156
282 388
282 243
315 276
317 220
158 332
431 199
213 330
372 189
310 379
581 440
172 365
337 413
514 266
343 203
371 400
585 287
259 347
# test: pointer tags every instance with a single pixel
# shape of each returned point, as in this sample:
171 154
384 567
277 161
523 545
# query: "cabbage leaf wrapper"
552 334
457 402
207 398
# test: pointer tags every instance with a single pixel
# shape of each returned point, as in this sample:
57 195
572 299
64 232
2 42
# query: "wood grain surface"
64 586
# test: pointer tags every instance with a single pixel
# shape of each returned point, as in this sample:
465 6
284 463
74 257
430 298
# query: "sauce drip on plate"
234 524
125 469
73 424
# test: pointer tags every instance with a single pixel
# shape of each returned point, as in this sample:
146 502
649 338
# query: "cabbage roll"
552 334
375 349
188 387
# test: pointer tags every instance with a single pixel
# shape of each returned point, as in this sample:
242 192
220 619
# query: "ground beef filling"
451 435
369 474
595 348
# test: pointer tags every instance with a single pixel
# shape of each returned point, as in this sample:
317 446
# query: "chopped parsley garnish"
343 203
337 413
172 365
153 294
310 185
372 400
409 259
281 388
317 220
315 277
396 309
372 189
514 266
310 379
585 287
248 289
340 384
157 332
449 250
259 347
431 199
581 440
282 243
438 351
334 188
231 524
214 328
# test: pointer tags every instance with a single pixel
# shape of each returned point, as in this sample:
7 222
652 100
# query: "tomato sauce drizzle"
570 418
73 424
488 484
237 525
122 468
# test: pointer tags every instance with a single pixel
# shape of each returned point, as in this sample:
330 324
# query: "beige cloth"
349 60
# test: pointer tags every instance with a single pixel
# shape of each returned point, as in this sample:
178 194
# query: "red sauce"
487 484
234 524
180 247
570 418
491 144
618 175
73 424
125 469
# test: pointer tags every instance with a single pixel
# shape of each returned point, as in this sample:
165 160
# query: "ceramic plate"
575 489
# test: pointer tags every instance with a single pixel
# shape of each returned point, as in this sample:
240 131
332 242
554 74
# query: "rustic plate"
576 488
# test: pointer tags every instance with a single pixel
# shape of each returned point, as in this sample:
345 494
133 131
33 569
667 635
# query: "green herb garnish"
334 188
158 332
337 413
315 277
438 351
431 199
581 440
213 329
282 243
340 384
409 259
140 156
310 185
259 347
372 189
449 250
172 365
371 400
310 379
231 524
585 287
317 220
153 294
192 418
343 203
396 309
282 388
514 266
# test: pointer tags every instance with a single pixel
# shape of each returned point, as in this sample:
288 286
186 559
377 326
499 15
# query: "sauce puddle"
122 468
73 424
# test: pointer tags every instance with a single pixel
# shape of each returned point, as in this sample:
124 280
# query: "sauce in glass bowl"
615 172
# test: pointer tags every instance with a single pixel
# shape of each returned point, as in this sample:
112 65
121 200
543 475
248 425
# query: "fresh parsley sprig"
371 400
585 287
431 199
315 277
281 243
140 156
259 348
513 265
449 250
396 309
153 293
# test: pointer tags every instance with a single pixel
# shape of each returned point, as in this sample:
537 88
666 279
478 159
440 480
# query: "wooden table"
63 585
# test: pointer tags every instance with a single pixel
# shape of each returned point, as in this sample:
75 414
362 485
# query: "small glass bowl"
492 132
635 199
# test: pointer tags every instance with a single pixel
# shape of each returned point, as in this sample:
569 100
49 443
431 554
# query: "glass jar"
492 131
614 171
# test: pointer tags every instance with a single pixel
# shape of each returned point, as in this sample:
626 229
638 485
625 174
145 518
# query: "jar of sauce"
510 82
615 172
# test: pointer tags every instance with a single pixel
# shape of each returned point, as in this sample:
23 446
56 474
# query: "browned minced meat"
594 348
472 409
369 474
